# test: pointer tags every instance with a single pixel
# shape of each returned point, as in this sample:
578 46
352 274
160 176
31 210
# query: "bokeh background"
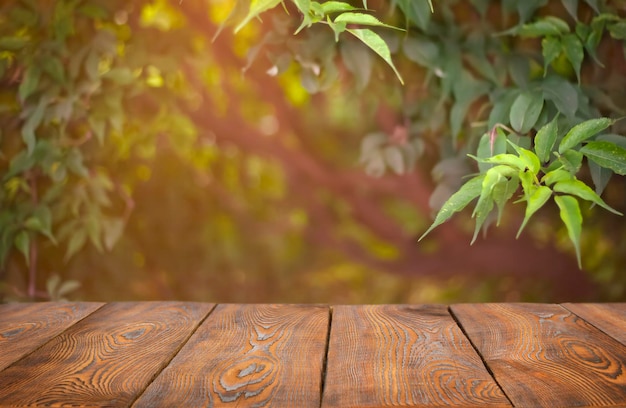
224 182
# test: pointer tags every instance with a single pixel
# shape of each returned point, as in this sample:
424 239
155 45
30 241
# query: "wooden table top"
181 354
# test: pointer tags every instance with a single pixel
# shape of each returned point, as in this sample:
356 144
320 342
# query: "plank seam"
590 323
166 363
482 359
325 362
58 334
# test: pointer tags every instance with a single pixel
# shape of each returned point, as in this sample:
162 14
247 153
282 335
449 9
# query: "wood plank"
404 356
106 359
545 356
608 317
247 355
26 326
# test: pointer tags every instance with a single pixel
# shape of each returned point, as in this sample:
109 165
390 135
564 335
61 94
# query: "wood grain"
25 327
248 356
106 359
545 356
608 317
403 356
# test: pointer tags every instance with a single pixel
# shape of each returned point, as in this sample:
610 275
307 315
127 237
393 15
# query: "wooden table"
178 354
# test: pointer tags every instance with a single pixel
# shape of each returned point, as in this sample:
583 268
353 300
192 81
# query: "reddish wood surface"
248 356
106 359
545 356
608 317
404 356
178 354
25 327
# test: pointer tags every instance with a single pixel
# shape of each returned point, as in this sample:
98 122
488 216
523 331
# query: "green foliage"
520 108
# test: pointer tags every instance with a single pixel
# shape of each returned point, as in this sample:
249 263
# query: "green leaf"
377 44
76 242
112 232
331 7
257 7
578 188
358 60
422 51
485 201
52 284
528 183
506 158
584 131
600 176
573 220
555 176
54 67
536 200
571 160
67 287
362 19
13 43
525 111
572 7
550 48
573 49
547 26
490 144
457 202
30 82
418 12
32 122
545 140
502 193
530 160
607 155
562 93
22 243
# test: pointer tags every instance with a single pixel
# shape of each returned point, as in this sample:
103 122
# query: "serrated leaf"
573 220
545 140
376 44
457 202
584 131
256 8
22 243
579 189
573 49
551 48
525 111
535 201
606 154
530 159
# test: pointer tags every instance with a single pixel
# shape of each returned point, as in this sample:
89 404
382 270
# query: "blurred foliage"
149 152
